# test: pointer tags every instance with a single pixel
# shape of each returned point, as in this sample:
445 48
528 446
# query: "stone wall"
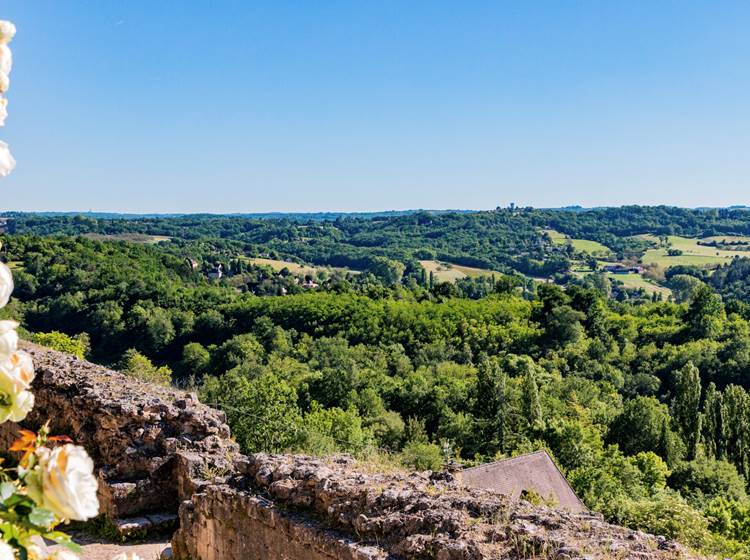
301 508
225 522
149 442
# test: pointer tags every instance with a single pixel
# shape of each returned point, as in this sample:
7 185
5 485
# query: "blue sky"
192 106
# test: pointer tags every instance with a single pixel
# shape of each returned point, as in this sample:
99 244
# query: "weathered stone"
132 430
325 509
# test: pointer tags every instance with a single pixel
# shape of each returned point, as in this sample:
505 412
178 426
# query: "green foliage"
686 407
664 513
422 456
261 410
729 518
704 479
644 425
333 429
705 316
78 345
137 365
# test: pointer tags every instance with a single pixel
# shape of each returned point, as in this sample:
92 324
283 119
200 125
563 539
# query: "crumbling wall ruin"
297 507
158 450
148 442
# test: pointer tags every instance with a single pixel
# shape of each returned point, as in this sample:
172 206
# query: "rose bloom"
124 556
3 110
4 82
6 279
7 163
64 483
7 31
8 337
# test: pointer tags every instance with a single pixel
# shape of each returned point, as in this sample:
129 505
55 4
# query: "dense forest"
505 239
643 404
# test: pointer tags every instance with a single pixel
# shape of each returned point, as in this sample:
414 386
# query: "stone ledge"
398 515
134 431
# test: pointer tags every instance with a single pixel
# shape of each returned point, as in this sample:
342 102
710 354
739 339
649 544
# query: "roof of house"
533 471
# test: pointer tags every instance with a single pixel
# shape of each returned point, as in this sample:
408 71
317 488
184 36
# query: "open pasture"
130 237
635 281
692 253
447 272
293 267
580 245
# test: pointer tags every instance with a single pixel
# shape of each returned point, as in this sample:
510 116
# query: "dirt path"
106 551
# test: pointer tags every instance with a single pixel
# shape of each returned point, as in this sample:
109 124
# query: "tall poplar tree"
686 407
713 424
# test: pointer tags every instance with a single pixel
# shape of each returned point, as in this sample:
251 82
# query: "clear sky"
220 106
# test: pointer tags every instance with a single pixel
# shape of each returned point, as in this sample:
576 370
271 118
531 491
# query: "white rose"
8 337
124 556
3 110
6 551
6 59
65 483
7 31
16 372
4 82
7 163
6 282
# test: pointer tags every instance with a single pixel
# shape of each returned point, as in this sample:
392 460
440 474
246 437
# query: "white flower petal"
22 405
7 163
8 338
6 552
3 110
7 31
6 283
6 59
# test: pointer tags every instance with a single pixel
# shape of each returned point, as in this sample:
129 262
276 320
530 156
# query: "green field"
693 254
728 238
636 281
295 268
131 237
447 272
580 245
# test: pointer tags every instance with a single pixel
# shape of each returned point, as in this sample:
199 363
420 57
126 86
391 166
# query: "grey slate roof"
533 471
